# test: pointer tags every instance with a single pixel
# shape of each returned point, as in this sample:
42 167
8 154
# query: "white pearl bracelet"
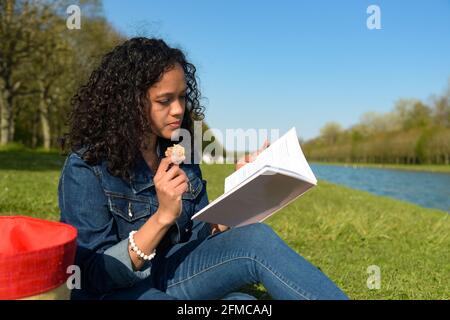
138 251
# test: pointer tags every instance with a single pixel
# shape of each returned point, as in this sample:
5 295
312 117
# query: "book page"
284 153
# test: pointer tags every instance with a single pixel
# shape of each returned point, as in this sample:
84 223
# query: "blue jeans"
217 266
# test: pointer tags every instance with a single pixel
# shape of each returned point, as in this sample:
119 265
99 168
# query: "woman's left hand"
215 228
240 163
251 157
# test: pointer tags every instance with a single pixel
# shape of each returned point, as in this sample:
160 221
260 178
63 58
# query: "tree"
441 109
412 113
19 21
412 133
437 147
41 65
330 132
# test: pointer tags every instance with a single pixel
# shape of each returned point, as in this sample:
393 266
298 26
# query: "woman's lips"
175 124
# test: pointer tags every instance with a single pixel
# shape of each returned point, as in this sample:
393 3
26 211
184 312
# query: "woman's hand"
170 184
218 228
240 163
251 157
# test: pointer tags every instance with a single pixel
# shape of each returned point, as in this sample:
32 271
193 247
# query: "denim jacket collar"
141 177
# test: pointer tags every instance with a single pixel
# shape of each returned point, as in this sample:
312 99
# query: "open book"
278 176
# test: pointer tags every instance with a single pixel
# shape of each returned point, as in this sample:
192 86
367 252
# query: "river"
431 190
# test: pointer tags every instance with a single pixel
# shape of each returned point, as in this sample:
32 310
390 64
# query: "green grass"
409 167
340 230
28 183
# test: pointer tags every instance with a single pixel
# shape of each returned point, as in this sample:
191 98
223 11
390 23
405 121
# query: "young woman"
132 207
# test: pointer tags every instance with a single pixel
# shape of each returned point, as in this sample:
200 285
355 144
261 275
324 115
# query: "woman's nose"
177 108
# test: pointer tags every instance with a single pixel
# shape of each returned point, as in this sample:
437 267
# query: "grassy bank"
408 167
340 230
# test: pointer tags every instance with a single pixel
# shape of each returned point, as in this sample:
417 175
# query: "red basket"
34 255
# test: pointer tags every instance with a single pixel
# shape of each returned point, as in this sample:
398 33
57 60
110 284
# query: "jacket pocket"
189 198
130 212
195 186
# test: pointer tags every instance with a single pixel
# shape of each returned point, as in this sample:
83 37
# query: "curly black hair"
108 115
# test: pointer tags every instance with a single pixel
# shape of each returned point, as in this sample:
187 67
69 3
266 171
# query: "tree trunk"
43 115
3 134
7 119
45 129
34 130
11 125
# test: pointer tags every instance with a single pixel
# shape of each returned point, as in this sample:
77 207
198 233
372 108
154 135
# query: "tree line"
43 62
414 132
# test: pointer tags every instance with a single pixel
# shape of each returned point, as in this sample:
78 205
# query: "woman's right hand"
170 184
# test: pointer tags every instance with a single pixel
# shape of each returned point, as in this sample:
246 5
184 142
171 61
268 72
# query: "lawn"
340 230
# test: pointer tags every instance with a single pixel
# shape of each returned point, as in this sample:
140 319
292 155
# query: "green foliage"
42 63
13 146
330 132
420 116
412 133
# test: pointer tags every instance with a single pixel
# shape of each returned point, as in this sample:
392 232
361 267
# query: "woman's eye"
167 101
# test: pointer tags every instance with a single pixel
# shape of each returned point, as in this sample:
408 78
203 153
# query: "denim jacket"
105 208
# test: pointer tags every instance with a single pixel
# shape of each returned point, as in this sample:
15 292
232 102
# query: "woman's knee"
258 236
260 231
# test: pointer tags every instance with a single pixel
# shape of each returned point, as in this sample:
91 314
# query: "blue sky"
278 64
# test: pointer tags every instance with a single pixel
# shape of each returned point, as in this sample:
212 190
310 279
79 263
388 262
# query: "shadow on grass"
31 160
257 292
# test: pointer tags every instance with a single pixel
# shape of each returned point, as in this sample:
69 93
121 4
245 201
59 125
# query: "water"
431 190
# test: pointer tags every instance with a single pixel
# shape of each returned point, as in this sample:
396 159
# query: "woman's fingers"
214 229
175 182
251 157
173 172
163 166
181 188
218 228
264 146
254 155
